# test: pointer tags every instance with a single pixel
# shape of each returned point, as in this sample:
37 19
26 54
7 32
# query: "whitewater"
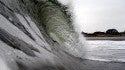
106 50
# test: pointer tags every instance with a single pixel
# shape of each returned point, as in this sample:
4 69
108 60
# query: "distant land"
110 34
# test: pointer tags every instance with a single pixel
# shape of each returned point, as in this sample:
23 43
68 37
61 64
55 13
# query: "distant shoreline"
106 38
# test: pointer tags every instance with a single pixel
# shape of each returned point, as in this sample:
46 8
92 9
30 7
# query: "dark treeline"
108 33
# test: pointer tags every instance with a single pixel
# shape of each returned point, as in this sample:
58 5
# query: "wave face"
60 28
37 35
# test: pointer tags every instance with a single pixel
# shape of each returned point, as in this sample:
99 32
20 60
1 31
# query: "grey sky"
98 15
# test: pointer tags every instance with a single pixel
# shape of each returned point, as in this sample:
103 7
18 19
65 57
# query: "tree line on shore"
109 33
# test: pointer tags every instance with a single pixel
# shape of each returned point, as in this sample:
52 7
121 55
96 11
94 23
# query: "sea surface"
105 50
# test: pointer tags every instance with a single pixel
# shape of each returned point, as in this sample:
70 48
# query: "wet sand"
106 38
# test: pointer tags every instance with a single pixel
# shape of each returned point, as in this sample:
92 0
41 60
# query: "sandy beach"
106 38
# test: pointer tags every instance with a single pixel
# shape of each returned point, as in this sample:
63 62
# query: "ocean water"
106 50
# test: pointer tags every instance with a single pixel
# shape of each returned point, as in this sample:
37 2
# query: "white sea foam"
106 50
3 65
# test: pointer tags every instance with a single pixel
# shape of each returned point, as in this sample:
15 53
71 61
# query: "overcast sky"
98 15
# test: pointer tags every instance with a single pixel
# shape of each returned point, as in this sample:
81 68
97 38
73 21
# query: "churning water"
106 50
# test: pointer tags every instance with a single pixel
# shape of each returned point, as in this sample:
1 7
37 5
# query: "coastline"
106 38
